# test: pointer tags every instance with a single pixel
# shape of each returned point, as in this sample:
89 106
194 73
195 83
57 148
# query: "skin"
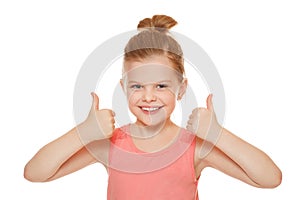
68 153
147 84
254 167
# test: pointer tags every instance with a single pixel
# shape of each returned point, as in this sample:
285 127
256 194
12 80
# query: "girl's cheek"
129 94
168 93
133 97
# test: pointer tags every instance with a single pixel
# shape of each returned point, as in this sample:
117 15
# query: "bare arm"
230 154
49 159
67 153
243 161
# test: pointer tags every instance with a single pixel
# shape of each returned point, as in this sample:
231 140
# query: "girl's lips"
150 109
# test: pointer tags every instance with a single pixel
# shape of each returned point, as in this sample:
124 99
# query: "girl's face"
152 88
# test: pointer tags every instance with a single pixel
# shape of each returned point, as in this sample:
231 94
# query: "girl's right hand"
98 125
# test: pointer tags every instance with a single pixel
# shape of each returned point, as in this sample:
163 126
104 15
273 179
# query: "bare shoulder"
206 155
199 157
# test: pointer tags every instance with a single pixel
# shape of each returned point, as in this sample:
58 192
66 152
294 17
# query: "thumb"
209 102
95 100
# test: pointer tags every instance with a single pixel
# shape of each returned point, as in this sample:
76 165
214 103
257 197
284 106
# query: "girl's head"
154 39
153 71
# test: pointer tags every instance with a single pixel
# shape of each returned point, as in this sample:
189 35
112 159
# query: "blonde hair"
154 38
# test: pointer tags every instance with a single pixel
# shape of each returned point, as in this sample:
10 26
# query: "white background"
255 46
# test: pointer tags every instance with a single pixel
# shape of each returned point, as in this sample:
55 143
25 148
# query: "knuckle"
202 109
195 110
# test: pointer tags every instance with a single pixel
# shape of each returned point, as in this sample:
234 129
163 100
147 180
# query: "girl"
153 158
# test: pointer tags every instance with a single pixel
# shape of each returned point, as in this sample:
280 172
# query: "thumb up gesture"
203 121
99 124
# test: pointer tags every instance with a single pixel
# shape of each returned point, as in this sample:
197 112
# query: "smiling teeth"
150 109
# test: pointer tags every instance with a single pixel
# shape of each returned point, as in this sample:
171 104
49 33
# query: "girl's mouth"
150 110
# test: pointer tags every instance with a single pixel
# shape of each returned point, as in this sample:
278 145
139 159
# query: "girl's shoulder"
120 133
186 135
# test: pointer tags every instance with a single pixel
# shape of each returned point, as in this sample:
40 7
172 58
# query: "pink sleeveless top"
165 175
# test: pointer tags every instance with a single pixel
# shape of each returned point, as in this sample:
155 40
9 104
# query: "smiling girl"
153 158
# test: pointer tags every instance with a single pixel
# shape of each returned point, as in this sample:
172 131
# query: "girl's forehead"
160 60
154 69
151 72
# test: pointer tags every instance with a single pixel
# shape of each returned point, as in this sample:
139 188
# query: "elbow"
274 180
277 179
31 175
30 178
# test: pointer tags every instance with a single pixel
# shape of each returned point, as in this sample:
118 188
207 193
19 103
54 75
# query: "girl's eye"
160 86
136 86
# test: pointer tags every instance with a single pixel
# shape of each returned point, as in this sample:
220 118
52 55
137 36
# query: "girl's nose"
149 95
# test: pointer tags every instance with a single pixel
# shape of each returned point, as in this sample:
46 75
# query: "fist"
100 123
203 121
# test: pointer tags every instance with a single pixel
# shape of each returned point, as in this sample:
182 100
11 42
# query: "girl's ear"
122 85
182 89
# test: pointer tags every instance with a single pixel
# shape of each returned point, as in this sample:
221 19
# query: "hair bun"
161 23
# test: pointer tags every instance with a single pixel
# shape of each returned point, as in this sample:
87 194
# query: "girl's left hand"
203 121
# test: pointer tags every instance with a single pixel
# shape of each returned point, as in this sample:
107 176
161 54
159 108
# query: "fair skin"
152 103
150 85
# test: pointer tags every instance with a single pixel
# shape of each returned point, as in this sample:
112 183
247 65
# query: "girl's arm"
68 153
230 154
50 160
239 159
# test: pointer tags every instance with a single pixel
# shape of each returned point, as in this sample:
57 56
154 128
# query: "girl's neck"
146 132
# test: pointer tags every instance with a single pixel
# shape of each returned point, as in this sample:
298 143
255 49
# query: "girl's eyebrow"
164 81
133 82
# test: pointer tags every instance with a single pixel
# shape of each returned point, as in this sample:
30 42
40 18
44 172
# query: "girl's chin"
150 123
